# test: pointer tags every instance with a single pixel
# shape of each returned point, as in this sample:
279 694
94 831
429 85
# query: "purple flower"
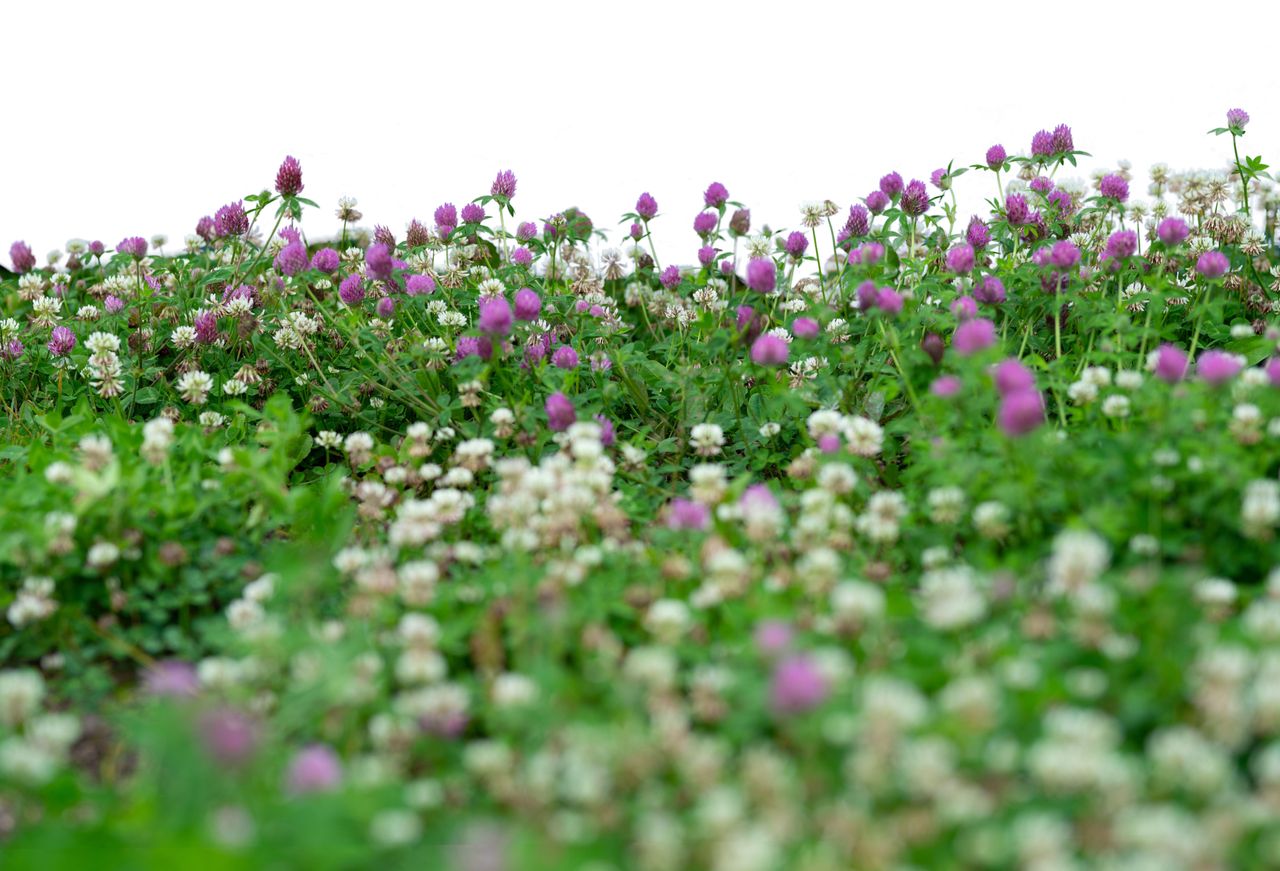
386 307
858 223
646 206
1016 210
973 336
945 386
1217 367
527 231
1172 231
635 231
748 322
113 304
829 443
670 277
1064 255
1042 144
877 202
133 246
1063 141
504 185
960 258
964 307
705 223
205 228
325 260
933 346
419 285
607 435
446 218
716 195
978 234
230 220
61 341
472 213
416 235
377 262
805 328
915 198
206 327
351 290
762 275
1114 187
565 357
1273 371
1011 376
867 294
1237 119
1041 184
687 514
230 736
495 317
521 256
797 244
1171 363
21 257
773 637
940 179
707 255
528 304
1121 244
314 768
289 178
889 301
891 185
797 685
769 350
474 346
1062 202
1021 412
996 156
1212 264
292 258
740 222
171 678
560 412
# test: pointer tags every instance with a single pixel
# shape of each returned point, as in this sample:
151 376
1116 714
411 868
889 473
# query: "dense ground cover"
895 540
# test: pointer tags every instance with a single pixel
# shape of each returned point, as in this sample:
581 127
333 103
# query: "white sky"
138 118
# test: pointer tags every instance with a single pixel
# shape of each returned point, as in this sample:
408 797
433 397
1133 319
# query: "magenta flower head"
419 285
1064 255
292 258
472 213
867 294
960 258
133 246
113 304
314 769
978 233
1011 376
973 336
858 223
769 350
97 249
527 231
748 322
762 275
1273 371
1114 187
504 185
351 290
891 185
565 357
1041 184
707 255
1121 244
607 435
230 220
868 254
230 736
560 412
964 307
289 177
877 201
934 347
945 386
1212 264
989 290
495 317
1237 120
798 685
325 260
1016 209
1042 144
1063 141
61 341
1171 363
670 277
889 301
716 195
386 307
446 218
204 228
797 244
705 223
773 637
687 514
528 304
805 328
171 678
915 198
939 179
21 257
1021 412
646 207
1217 367
377 262
1173 231
996 156
521 256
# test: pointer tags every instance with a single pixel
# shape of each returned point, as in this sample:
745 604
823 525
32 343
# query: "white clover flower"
865 436
1116 405
194 386
706 439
